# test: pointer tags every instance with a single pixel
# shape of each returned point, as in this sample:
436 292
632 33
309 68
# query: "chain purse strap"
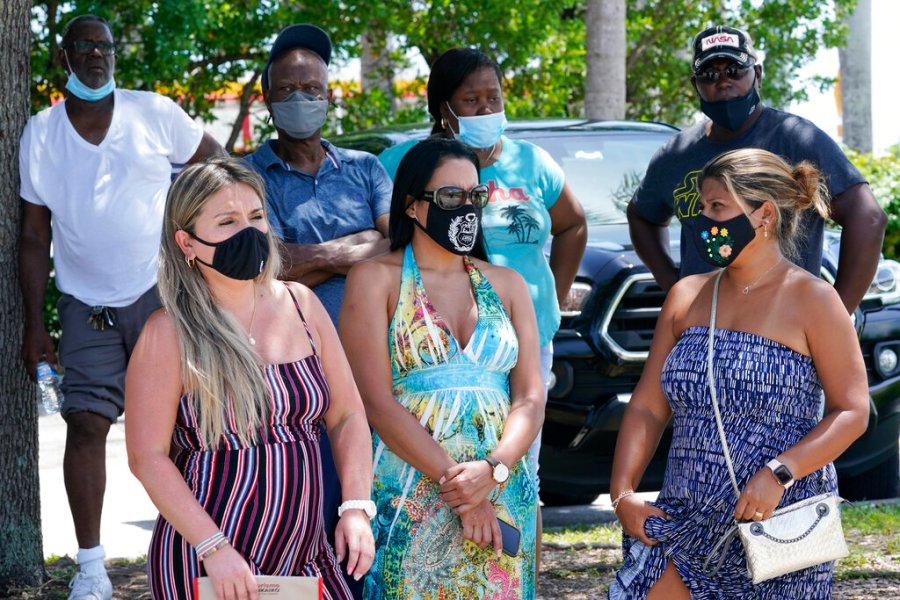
712 385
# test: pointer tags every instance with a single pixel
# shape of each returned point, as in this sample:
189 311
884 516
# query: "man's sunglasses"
86 47
451 198
732 72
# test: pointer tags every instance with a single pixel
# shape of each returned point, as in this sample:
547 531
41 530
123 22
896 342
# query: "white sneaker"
90 587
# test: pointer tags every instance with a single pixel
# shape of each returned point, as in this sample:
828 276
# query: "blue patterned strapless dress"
770 397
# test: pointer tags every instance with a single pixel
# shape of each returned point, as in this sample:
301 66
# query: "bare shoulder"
377 272
159 331
157 355
310 305
688 289
504 280
814 297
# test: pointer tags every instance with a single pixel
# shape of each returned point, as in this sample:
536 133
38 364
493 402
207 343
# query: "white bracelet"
364 505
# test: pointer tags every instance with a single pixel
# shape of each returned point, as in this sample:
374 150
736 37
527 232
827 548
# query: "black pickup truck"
609 317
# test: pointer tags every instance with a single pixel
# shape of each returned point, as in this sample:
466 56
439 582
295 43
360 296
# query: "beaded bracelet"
221 544
211 544
625 494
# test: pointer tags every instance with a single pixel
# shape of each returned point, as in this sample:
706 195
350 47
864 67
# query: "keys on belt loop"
102 317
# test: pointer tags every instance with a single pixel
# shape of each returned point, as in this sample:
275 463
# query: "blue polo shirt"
348 193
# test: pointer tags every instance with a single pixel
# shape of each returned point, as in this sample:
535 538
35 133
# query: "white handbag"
795 537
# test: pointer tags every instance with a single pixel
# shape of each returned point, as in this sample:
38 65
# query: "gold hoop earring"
189 261
444 124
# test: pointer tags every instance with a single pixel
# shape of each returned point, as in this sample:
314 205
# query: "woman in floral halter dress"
444 348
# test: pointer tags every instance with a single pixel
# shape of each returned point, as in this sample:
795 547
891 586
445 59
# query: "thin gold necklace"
491 155
250 337
746 289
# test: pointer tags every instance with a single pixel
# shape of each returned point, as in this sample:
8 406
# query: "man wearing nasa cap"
329 205
726 75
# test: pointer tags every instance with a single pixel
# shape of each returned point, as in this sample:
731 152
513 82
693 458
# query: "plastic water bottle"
48 382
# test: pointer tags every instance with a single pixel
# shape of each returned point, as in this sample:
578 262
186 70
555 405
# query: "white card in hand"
270 588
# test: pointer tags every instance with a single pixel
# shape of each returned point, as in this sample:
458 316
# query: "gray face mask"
299 115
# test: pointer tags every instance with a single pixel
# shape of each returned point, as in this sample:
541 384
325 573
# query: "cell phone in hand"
510 536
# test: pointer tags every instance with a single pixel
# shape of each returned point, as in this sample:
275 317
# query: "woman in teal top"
529 199
444 349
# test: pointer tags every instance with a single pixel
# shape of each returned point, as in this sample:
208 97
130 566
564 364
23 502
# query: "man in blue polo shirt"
329 205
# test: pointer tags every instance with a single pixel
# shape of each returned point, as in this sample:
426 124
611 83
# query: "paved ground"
129 516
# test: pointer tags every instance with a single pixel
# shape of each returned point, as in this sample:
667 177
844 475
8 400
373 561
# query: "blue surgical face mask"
299 115
78 89
482 131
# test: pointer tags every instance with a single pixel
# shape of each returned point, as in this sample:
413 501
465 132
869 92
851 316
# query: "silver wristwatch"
364 505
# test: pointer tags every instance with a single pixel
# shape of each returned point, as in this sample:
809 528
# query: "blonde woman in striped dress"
227 393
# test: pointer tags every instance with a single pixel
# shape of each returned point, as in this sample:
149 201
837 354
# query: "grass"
873 537
584 535
872 531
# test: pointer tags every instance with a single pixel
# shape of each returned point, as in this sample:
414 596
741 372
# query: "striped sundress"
770 397
461 397
267 498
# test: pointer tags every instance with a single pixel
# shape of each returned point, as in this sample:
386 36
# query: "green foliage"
659 48
883 175
193 50
51 318
359 110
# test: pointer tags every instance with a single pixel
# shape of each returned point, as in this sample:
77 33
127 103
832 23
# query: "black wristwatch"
782 474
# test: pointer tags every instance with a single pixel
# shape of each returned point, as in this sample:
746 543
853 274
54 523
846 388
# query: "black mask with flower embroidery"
720 242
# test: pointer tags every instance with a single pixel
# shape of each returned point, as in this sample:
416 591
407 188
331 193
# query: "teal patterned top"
461 397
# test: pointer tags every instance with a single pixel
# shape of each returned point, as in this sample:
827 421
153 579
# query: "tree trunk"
376 69
856 79
21 554
243 111
604 96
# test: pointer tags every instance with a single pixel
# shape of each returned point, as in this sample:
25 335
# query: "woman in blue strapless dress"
773 359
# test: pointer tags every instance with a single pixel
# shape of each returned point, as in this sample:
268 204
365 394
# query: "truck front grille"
629 323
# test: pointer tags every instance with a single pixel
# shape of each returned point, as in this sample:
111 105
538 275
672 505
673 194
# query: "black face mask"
242 256
454 230
720 242
731 114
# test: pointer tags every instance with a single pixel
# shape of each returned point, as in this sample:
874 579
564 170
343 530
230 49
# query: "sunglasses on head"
450 197
732 72
86 47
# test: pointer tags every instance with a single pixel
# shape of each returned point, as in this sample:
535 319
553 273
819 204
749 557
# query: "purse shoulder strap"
712 384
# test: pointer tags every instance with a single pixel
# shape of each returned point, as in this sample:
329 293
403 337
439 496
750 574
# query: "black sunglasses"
451 197
86 47
732 72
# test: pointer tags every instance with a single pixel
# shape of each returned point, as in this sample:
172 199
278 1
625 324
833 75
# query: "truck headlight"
886 284
576 299
887 359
